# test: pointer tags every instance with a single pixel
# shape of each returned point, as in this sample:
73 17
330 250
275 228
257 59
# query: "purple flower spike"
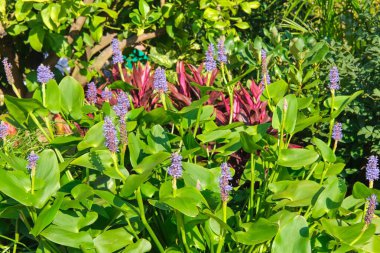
32 161
334 79
117 55
159 82
210 63
110 133
44 74
121 108
106 94
175 169
8 71
224 179
337 132
264 68
372 202
91 93
3 130
222 56
372 170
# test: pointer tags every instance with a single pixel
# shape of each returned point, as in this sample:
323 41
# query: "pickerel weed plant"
208 163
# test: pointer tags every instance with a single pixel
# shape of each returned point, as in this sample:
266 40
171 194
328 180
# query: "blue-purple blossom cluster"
372 202
8 71
117 55
337 132
91 93
121 108
222 56
175 169
372 169
44 74
110 134
32 160
3 130
334 79
224 179
106 94
264 68
210 63
159 81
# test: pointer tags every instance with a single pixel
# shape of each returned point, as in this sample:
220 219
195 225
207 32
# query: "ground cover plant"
199 160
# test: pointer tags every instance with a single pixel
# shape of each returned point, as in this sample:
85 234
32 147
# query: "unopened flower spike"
224 179
264 68
159 82
117 55
334 79
372 202
44 74
8 71
210 63
175 169
109 132
91 93
222 56
32 160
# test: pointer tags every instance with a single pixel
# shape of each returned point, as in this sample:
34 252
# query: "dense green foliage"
268 116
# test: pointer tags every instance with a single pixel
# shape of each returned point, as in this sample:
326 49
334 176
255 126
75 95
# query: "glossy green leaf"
207 179
141 246
257 232
67 238
326 152
72 96
112 240
53 97
275 90
331 197
341 102
286 118
360 191
298 242
94 137
151 161
296 158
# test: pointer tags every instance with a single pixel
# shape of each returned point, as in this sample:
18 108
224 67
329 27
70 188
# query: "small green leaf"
296 158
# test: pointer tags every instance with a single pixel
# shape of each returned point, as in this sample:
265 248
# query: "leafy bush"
206 163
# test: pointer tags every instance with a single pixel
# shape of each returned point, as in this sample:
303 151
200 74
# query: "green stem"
251 200
231 98
114 159
163 100
359 236
335 146
32 175
182 230
15 90
50 129
197 122
145 222
17 237
35 120
122 154
223 232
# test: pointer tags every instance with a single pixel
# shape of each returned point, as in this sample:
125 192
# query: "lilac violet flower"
210 63
3 130
222 56
224 179
337 132
32 161
106 94
8 71
159 82
372 169
175 169
91 93
109 132
264 68
334 79
121 109
372 202
44 74
117 55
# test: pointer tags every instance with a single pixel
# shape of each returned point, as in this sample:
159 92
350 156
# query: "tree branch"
103 57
